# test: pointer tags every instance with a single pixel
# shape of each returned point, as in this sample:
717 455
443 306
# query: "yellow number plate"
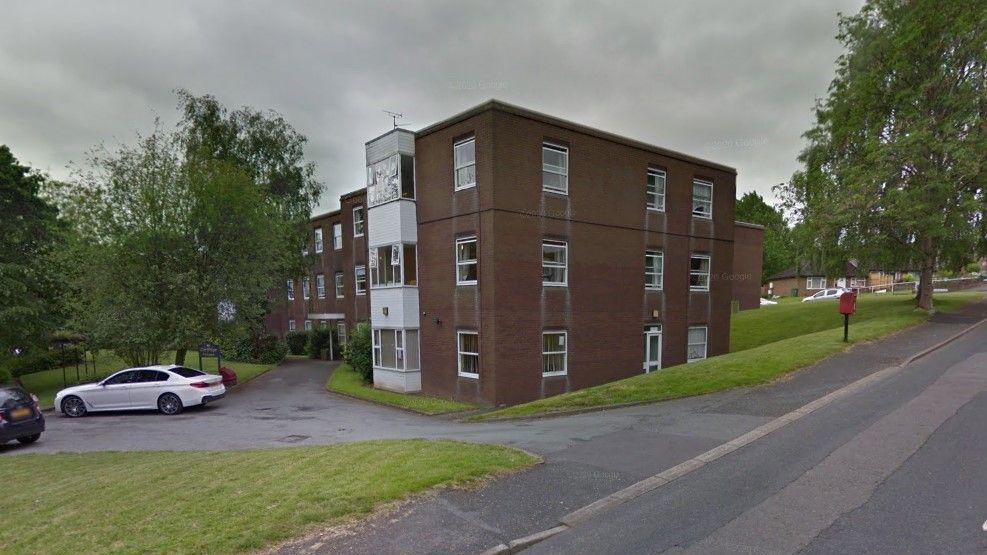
22 412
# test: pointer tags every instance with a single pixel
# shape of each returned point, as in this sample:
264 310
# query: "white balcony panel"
394 222
401 304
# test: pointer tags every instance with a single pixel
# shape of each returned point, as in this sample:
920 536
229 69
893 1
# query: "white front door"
652 348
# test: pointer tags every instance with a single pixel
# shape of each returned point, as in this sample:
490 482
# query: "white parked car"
167 388
832 293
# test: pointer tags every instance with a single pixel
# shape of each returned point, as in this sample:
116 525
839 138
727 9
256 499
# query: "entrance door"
652 348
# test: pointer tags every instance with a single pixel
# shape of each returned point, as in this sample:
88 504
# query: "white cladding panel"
398 140
401 304
397 380
394 222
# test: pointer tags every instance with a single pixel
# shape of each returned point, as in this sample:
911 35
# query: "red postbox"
848 302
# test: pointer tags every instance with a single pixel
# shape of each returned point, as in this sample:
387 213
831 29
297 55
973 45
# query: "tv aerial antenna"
394 118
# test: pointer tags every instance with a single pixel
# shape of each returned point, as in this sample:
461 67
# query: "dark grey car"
20 416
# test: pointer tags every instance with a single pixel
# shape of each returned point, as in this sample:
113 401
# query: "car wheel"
169 403
73 406
27 440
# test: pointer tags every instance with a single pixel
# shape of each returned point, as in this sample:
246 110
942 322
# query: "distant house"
805 279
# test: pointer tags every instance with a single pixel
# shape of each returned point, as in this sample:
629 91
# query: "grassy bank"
347 381
46 384
220 502
752 366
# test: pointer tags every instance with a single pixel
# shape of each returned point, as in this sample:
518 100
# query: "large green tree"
779 252
895 165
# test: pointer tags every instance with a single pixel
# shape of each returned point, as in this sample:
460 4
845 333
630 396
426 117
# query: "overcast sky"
725 80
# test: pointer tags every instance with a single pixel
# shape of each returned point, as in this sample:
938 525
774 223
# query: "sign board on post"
848 304
210 350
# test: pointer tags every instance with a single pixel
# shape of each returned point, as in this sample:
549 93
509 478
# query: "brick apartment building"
509 255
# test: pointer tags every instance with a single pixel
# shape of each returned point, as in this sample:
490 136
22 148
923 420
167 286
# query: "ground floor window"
554 353
697 343
341 332
468 353
308 325
652 348
394 349
815 283
291 325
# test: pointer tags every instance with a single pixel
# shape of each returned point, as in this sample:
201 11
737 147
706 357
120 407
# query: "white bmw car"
167 388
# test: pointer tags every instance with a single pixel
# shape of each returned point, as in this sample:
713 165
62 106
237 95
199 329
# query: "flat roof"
748 224
494 104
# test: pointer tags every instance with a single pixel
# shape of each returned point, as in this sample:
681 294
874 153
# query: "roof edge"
748 224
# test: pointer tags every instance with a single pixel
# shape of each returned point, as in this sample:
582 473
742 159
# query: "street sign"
209 350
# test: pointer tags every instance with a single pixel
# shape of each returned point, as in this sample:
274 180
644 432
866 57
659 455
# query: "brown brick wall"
748 249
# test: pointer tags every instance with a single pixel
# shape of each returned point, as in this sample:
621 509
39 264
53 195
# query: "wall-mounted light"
384 310
438 322
654 314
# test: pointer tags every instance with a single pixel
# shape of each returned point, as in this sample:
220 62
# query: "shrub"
359 352
32 362
297 340
319 338
5 375
262 348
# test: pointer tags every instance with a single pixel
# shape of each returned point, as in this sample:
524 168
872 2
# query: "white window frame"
402 269
659 256
563 171
291 324
649 331
340 285
705 343
455 168
290 283
700 273
858 283
564 265
341 332
659 204
564 352
306 288
467 262
318 240
809 282
707 183
320 286
460 353
337 236
356 279
362 220
308 325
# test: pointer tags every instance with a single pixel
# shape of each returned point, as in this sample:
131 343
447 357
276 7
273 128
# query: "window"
656 190
395 349
320 286
466 263
697 343
339 285
318 239
702 198
553 353
857 283
122 378
358 223
341 332
308 325
306 288
290 284
360 277
652 348
815 283
468 353
555 168
699 272
392 265
291 325
464 160
654 269
337 236
554 262
186 372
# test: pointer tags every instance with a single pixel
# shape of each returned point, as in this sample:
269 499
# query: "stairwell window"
320 286
291 325
360 277
337 236
702 198
358 222
555 263
654 270
468 353
555 168
339 285
393 265
464 158
554 353
699 272
656 190
318 240
467 267
697 343
290 285
306 288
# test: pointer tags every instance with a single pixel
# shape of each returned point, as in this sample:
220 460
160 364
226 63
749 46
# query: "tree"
29 232
894 167
778 248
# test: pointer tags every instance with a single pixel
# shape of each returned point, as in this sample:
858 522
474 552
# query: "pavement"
734 501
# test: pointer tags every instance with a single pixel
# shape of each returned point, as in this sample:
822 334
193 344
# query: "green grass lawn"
46 384
221 502
347 381
754 365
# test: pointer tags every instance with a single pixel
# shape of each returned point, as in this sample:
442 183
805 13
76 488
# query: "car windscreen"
12 397
187 372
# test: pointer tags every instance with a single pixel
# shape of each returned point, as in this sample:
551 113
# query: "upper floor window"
468 353
339 285
393 265
464 155
318 239
320 286
654 269
306 288
699 272
656 190
358 222
466 261
702 198
337 236
290 284
815 283
697 343
291 325
555 168
360 277
554 354
554 262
